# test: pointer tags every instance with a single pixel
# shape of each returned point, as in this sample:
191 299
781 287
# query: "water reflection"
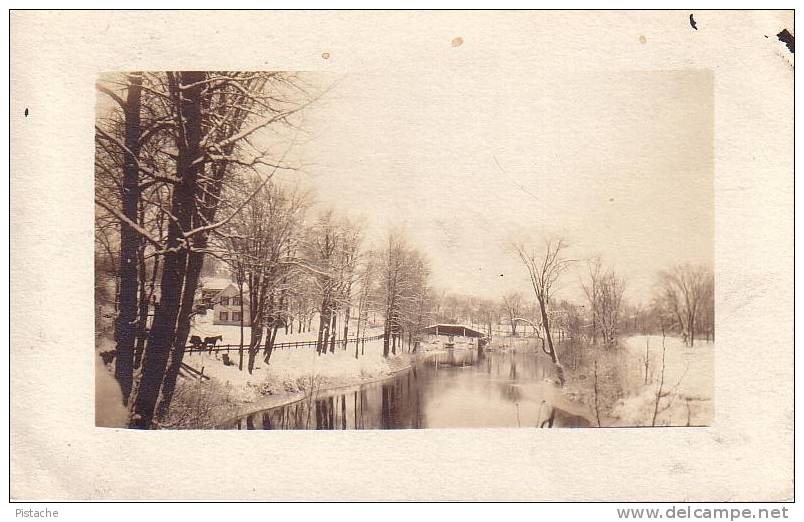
457 388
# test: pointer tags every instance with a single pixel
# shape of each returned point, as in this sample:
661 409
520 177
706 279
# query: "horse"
211 341
196 341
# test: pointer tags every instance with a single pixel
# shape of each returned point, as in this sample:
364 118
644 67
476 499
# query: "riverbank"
292 375
631 384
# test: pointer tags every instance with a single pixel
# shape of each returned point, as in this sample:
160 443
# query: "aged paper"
442 123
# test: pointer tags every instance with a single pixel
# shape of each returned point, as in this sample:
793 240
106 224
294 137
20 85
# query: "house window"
235 301
224 316
225 301
236 316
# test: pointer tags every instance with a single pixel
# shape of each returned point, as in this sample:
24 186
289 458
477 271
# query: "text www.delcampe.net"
691 512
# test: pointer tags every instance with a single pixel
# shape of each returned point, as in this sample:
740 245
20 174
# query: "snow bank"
292 373
687 388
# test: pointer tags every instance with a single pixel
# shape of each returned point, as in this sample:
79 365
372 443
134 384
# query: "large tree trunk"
163 330
126 324
242 327
333 331
258 297
144 305
323 324
386 340
145 308
142 313
194 264
692 329
550 347
254 344
162 334
359 323
269 343
346 326
271 328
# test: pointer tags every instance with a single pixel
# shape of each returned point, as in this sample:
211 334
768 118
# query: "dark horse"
211 341
196 342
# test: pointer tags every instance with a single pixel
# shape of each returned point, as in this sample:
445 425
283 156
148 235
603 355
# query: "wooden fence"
277 346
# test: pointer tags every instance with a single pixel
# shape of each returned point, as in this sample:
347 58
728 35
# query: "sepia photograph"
508 255
290 250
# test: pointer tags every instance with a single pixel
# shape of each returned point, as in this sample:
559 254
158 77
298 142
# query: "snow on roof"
454 329
215 283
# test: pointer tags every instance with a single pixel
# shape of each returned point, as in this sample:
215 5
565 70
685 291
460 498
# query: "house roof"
215 283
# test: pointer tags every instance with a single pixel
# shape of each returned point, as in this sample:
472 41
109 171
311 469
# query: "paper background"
57 453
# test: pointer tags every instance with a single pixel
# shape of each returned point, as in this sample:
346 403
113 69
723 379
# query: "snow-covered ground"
288 366
687 387
291 373
203 327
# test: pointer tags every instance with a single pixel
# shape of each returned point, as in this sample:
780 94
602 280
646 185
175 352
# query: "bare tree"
489 315
545 267
393 259
660 389
258 243
591 288
194 128
609 305
404 278
414 296
128 200
331 254
512 304
685 290
366 281
707 307
351 255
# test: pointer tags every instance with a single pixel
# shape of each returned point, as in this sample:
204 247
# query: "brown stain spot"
457 41
642 39
325 56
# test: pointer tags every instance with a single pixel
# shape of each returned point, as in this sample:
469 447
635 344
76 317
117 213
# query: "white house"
226 306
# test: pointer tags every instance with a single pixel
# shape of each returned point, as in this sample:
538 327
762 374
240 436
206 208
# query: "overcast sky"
620 164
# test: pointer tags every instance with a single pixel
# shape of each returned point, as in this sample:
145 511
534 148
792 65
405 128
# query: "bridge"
453 330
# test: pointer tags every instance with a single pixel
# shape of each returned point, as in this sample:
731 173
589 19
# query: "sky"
468 160
619 164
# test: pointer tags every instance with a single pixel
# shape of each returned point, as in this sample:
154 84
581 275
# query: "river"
455 388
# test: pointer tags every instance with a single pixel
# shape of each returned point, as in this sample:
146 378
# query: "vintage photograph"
290 250
540 256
